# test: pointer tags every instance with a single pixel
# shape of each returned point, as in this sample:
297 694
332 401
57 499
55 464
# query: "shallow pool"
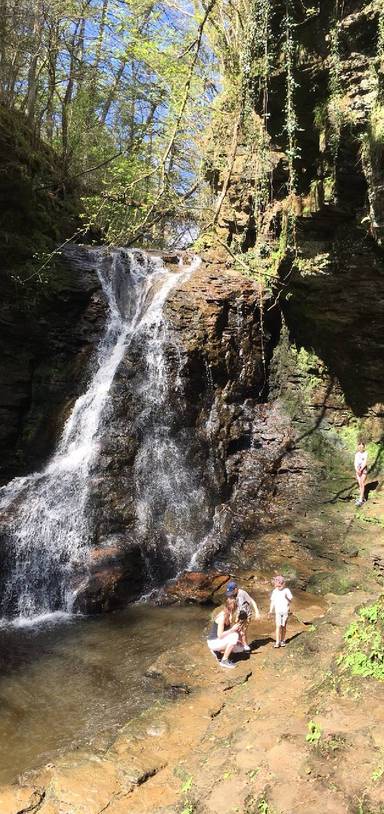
71 682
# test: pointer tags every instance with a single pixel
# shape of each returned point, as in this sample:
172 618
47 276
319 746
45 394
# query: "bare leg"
283 631
243 636
277 634
245 631
362 481
230 646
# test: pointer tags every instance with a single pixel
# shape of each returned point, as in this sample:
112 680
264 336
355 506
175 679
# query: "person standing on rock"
244 602
224 635
361 468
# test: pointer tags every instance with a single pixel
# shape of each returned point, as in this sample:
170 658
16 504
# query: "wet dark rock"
177 690
115 574
170 259
328 314
194 587
47 338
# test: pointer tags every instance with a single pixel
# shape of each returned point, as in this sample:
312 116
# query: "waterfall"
49 533
170 497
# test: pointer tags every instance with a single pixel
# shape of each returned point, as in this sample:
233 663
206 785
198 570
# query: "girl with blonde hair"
224 635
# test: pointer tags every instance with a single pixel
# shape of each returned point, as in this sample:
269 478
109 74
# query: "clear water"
73 682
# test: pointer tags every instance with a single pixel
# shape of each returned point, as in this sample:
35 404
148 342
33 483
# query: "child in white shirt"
280 599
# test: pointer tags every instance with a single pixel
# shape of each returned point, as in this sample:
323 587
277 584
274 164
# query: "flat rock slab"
83 787
14 799
307 607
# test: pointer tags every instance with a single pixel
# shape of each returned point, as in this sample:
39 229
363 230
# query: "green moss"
204 242
377 123
307 360
305 364
329 189
332 583
317 264
374 521
320 116
363 653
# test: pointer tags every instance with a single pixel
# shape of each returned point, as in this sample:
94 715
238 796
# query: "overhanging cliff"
299 195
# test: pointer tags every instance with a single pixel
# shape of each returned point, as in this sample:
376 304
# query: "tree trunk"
36 43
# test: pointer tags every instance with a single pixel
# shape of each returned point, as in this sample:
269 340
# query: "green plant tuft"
363 654
377 773
314 732
187 785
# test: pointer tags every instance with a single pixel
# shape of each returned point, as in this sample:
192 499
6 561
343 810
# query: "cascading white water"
48 535
170 497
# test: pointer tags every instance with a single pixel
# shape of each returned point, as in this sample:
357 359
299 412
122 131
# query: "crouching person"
224 635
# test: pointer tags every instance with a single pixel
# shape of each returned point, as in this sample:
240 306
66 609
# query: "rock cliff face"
38 207
338 313
215 463
47 334
188 438
329 273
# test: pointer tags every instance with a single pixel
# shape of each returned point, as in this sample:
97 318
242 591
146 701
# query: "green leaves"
187 785
364 643
314 732
118 89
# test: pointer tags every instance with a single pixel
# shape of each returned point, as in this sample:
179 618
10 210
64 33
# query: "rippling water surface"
71 682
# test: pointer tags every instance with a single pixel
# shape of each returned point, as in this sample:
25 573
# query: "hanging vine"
335 106
256 68
372 139
380 48
291 124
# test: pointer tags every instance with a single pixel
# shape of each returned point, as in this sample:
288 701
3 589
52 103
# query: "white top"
280 600
245 602
361 460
